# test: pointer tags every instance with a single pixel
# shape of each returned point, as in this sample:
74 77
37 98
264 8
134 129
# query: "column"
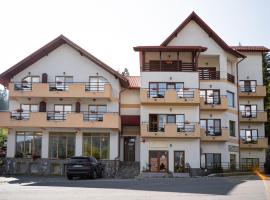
11 143
78 143
45 145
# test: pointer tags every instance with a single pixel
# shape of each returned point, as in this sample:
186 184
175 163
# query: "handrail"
250 114
61 86
160 92
253 140
160 127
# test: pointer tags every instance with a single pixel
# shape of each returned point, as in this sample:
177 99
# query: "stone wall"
26 166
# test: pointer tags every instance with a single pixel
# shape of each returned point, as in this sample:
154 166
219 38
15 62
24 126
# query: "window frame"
243 86
58 135
234 128
219 133
206 97
159 90
100 135
33 144
233 99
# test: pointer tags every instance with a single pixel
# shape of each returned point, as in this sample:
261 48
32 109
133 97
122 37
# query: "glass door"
179 161
129 148
60 111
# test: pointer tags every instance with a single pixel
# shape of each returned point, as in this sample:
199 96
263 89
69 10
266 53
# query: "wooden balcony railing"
209 75
169 66
230 78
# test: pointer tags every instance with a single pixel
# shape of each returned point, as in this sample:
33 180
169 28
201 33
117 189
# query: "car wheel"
94 175
69 177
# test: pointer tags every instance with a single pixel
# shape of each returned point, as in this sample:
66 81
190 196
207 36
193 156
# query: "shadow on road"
204 185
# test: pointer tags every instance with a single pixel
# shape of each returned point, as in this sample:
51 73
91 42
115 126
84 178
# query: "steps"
128 169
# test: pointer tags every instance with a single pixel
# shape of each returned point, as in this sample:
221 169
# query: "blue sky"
110 29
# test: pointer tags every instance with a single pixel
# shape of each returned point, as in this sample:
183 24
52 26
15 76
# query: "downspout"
237 84
119 111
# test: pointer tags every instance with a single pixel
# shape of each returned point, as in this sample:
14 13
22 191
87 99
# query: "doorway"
158 161
129 148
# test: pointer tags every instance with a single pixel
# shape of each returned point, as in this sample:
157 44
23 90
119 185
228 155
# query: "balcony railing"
60 119
181 129
217 103
215 134
61 90
230 78
252 91
170 96
20 115
253 116
209 75
169 66
254 142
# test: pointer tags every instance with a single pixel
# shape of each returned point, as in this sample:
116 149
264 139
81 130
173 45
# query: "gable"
193 16
51 46
192 34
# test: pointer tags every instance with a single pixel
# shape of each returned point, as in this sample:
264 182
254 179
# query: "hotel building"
197 104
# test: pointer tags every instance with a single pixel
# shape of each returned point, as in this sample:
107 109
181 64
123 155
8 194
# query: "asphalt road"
206 188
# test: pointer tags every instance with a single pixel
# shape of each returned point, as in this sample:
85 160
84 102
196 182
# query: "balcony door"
248 111
210 96
248 85
96 83
96 112
60 111
61 82
28 81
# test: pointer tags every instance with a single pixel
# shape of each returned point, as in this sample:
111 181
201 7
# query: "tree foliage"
125 72
266 82
3 99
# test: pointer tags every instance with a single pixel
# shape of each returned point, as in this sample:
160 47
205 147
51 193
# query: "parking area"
233 188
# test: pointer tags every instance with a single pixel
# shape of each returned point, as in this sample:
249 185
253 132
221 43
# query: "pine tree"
125 72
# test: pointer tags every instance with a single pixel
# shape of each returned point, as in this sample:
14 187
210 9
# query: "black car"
80 166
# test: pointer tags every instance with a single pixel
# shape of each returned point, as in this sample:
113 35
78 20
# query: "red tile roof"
251 48
134 82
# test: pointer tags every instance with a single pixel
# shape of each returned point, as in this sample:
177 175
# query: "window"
250 163
158 90
61 82
211 126
248 111
249 136
28 144
26 84
232 128
97 145
95 112
230 97
210 96
96 84
248 85
157 121
24 111
62 145
213 160
179 161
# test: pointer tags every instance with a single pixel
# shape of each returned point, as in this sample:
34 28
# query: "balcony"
209 75
221 137
253 116
252 91
208 104
170 97
171 130
51 90
259 143
230 78
60 120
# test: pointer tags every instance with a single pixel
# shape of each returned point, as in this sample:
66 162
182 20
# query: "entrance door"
233 161
129 148
158 161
